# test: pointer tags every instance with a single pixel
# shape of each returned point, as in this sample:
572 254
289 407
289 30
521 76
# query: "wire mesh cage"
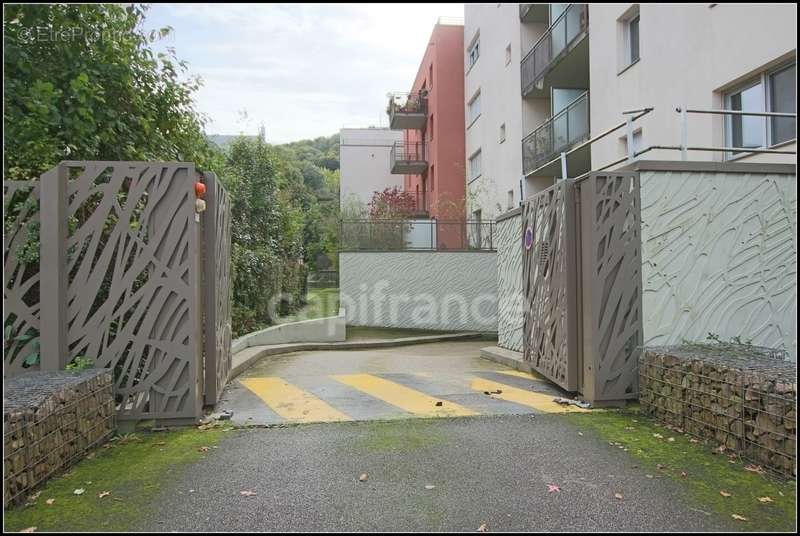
742 397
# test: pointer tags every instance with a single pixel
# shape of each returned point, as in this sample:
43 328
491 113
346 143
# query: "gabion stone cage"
50 420
740 396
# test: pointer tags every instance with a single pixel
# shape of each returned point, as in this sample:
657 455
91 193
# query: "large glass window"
633 39
473 53
783 99
773 91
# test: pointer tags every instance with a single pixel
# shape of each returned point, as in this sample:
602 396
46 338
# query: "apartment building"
364 163
582 66
430 158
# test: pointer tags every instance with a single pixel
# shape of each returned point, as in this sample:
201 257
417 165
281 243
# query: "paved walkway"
448 474
430 380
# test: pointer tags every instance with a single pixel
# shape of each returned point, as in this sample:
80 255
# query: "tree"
392 203
83 83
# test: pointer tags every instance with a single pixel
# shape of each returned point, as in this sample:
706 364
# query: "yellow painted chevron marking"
520 374
403 397
539 401
293 403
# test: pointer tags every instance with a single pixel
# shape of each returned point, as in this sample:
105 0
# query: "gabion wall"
50 420
739 396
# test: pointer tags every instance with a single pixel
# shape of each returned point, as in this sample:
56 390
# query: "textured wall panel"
720 256
510 297
550 338
427 290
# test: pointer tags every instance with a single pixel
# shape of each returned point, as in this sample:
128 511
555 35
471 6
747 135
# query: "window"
510 199
430 128
473 53
773 91
508 54
502 133
475 165
432 175
783 99
430 75
628 38
474 108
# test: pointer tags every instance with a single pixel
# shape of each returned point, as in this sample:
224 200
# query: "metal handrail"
412 102
408 151
394 234
546 38
548 128
684 147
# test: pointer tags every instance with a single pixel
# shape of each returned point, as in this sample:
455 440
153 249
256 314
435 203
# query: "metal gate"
105 260
582 325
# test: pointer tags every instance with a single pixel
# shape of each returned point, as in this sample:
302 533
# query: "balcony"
408 158
558 134
560 57
408 111
533 13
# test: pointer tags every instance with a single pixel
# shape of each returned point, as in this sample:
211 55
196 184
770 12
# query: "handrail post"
629 136
563 165
684 134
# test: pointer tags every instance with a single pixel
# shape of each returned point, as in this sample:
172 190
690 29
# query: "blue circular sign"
528 238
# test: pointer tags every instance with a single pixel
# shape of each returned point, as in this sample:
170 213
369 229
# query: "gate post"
53 346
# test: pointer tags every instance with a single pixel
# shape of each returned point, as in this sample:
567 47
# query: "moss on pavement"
133 469
697 466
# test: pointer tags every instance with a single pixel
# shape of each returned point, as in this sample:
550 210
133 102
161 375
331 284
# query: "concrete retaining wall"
328 329
420 289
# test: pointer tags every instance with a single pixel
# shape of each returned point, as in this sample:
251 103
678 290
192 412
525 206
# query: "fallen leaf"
737 517
29 529
658 436
670 439
659 466
50 501
482 528
683 474
439 403
103 494
79 491
429 486
90 456
580 433
649 476
754 468
33 496
553 488
247 493
618 496
693 440
363 477
203 449
765 500
724 493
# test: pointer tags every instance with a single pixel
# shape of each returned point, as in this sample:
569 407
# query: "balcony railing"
408 110
416 235
408 158
558 134
571 25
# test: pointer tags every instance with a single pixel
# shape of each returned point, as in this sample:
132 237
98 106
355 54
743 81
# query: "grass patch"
133 470
321 302
696 466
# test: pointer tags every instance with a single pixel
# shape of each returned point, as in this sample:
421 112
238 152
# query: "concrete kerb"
509 358
250 355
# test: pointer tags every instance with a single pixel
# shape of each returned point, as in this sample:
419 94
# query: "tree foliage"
82 82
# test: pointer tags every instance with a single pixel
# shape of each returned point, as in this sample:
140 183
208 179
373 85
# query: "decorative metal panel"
549 285
217 283
133 295
611 285
21 274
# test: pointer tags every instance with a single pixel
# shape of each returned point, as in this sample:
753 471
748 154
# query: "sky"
301 70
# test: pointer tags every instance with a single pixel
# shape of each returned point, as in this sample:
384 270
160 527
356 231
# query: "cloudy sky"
302 70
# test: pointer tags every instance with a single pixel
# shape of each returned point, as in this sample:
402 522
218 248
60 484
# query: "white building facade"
575 68
365 164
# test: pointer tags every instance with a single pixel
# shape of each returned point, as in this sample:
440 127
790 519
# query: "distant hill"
223 140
